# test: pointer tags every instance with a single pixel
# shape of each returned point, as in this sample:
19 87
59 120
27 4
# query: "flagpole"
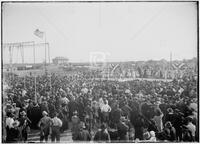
49 54
45 52
50 72
50 85
35 75
22 53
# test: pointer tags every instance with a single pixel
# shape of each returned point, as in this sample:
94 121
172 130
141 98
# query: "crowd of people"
151 69
100 110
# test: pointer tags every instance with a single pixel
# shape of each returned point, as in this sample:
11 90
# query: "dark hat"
55 114
168 124
103 126
146 135
23 113
170 110
10 114
82 125
16 123
9 106
123 118
177 110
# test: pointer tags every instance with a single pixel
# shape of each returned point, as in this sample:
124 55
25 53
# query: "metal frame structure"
21 46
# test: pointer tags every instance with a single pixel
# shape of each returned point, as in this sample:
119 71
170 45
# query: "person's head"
170 110
15 124
152 134
45 103
187 120
44 113
75 113
123 119
55 114
10 114
9 106
158 112
82 125
103 126
146 135
117 105
14 105
153 122
23 105
168 124
23 113
35 104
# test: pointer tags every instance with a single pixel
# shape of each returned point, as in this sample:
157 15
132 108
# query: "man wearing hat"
116 114
146 135
56 124
9 127
102 135
24 124
8 108
15 110
75 125
169 132
14 133
34 114
105 110
44 125
123 128
153 136
24 108
83 134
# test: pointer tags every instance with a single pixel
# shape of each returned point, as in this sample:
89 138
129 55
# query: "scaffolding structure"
20 46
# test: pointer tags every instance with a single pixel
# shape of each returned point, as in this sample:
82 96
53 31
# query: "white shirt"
192 128
101 103
56 122
105 108
152 139
65 100
9 122
158 120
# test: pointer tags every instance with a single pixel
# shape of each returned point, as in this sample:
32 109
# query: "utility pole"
22 55
170 60
10 56
170 66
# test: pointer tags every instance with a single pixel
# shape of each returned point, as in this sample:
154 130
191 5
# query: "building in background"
60 61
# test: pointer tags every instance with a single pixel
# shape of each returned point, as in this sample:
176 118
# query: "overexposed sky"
121 31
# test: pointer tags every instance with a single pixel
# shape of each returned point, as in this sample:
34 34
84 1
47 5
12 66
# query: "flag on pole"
39 33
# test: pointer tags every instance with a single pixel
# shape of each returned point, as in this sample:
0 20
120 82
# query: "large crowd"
100 110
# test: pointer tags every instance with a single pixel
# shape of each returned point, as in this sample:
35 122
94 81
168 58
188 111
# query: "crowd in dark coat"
133 104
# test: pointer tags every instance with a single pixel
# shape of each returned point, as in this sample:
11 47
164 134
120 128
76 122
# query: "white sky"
123 31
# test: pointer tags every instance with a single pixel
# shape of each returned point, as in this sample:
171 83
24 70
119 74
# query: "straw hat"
75 112
44 113
152 133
